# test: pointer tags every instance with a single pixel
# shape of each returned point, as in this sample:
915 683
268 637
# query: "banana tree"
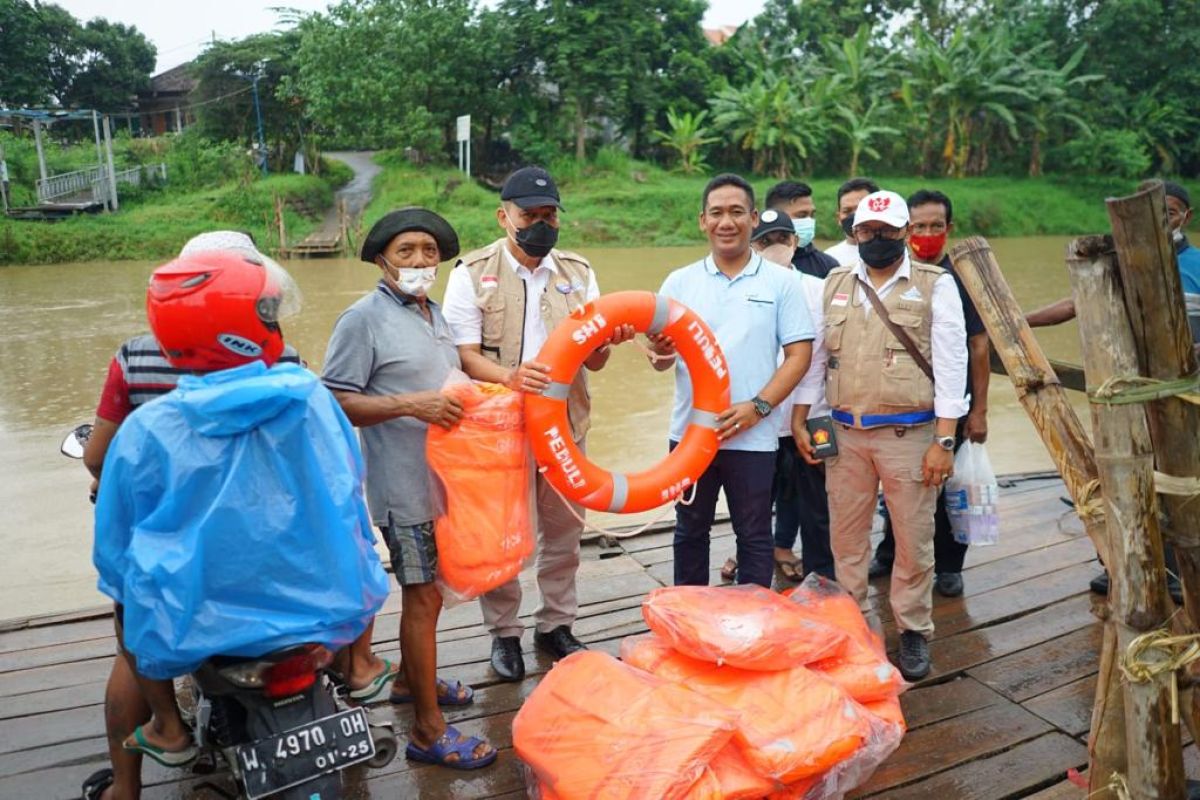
687 136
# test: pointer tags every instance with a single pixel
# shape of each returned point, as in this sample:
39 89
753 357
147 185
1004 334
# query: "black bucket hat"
413 218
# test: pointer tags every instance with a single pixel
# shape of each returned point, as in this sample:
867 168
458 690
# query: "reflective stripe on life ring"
569 345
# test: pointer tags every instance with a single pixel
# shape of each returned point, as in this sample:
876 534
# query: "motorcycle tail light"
295 673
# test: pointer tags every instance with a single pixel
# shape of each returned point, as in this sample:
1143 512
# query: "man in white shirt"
801 504
895 378
502 302
849 195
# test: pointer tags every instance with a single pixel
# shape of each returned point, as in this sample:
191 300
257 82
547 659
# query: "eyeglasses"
863 235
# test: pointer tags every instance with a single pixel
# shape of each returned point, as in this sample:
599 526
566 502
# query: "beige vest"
869 371
500 295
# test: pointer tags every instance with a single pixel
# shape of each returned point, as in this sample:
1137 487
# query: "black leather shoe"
914 656
506 658
559 642
878 568
1099 584
949 584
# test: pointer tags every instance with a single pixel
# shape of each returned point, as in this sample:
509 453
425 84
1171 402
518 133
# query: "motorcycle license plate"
302 753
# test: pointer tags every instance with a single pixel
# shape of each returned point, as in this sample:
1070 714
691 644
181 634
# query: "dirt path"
356 193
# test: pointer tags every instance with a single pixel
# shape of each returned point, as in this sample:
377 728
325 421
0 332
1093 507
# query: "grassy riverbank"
611 201
209 186
615 201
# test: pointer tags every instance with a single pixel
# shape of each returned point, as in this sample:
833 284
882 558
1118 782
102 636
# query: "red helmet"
214 310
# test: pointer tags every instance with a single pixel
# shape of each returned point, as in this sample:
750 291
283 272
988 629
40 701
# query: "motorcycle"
281 723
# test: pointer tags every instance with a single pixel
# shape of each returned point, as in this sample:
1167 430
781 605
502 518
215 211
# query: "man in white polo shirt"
755 308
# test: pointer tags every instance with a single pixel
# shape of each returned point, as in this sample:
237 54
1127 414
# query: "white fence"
93 182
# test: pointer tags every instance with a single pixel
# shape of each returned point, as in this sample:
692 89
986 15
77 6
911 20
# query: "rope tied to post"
1172 653
1090 505
1118 390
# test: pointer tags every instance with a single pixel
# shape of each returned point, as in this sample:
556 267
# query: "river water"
60 325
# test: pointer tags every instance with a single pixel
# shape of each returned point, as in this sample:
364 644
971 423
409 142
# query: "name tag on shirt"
840 299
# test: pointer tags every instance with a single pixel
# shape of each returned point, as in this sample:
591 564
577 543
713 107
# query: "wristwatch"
945 442
762 407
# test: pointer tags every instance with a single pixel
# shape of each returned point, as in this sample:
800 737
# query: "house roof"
177 80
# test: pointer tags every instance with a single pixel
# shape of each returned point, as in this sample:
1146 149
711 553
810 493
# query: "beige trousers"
865 459
558 534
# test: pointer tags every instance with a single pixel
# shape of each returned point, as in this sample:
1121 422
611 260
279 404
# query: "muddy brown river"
60 325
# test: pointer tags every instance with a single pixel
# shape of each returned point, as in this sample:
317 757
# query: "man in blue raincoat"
244 459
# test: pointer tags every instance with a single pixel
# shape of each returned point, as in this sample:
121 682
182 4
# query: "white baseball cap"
886 207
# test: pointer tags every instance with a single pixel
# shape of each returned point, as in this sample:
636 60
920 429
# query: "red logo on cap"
879 203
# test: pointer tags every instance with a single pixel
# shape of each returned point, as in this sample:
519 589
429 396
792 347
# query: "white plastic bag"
971 494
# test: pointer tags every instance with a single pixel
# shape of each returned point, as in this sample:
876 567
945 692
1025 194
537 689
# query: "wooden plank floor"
1004 714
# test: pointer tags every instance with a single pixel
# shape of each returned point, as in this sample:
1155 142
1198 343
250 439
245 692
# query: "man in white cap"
896 381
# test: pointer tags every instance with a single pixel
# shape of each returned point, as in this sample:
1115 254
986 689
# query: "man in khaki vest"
502 302
897 404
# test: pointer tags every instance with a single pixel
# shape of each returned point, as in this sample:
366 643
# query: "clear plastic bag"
483 528
862 668
744 626
971 495
791 724
597 728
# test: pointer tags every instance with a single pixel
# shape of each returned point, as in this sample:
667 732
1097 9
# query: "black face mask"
538 239
880 252
848 226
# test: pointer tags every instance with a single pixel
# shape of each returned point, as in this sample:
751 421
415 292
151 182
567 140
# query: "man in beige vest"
897 391
502 302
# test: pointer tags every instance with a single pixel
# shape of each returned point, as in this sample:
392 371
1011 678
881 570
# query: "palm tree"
860 129
687 136
1051 102
765 119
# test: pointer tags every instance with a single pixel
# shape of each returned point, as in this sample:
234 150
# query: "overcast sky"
180 29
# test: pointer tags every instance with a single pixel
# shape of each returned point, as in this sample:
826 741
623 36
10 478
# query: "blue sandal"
448 697
451 743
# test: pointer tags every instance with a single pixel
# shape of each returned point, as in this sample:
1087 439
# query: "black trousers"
802 506
746 476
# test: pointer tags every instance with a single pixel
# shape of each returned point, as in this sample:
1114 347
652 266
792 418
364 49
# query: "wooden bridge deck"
1004 715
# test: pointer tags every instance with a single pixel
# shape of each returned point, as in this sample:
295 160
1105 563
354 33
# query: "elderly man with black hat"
502 302
388 358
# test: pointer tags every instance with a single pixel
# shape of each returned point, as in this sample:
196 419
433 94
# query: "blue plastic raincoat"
231 521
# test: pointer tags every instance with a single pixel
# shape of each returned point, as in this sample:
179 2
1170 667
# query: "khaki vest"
500 295
869 370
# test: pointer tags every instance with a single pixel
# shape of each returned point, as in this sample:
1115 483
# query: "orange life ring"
566 467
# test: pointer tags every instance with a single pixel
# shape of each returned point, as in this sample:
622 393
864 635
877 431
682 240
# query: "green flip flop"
168 758
373 689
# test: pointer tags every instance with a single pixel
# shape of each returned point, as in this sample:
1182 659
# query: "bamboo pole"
1154 300
1125 458
1044 399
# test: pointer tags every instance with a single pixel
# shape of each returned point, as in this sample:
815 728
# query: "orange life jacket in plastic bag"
743 626
597 728
791 724
483 533
862 668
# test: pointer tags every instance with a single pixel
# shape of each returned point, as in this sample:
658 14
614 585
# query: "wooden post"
1158 317
1044 399
41 152
112 169
1038 388
280 223
1125 457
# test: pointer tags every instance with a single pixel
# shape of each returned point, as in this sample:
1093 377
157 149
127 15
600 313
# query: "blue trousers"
747 478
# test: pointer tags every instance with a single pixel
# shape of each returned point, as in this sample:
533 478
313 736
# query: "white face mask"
414 281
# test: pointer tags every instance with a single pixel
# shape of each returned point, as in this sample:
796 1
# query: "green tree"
687 136
113 62
765 119
860 128
38 48
1052 102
